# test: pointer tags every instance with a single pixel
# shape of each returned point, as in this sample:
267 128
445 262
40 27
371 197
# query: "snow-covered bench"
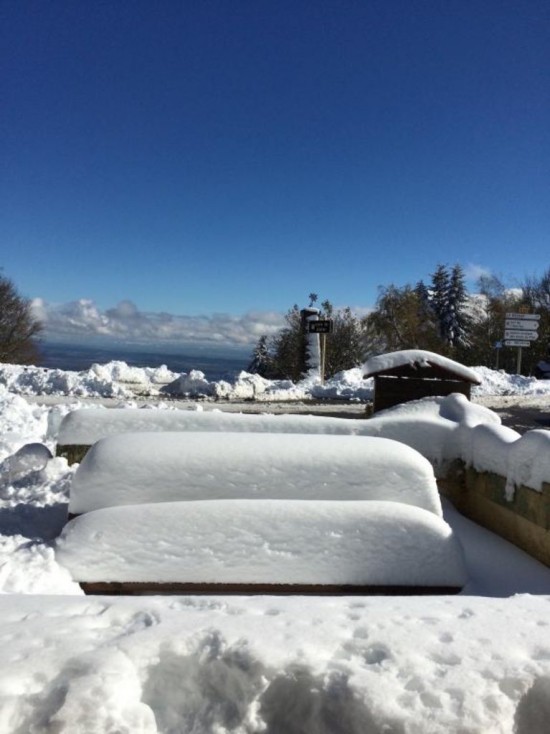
135 468
429 425
272 546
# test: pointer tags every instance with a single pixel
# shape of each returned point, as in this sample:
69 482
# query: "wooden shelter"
411 374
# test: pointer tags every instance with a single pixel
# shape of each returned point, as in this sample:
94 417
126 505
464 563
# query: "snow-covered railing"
270 546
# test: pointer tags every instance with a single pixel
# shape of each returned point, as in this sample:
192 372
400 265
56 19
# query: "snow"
490 448
442 429
476 662
119 380
529 461
85 427
152 467
418 358
311 665
272 541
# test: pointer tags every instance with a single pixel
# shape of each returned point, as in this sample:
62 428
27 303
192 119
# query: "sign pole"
519 361
321 327
323 352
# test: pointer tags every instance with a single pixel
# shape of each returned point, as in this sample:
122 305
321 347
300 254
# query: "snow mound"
21 423
274 541
32 457
498 382
529 461
27 380
30 568
118 371
136 468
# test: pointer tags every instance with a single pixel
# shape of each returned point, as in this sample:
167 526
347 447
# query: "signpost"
516 343
514 334
322 327
519 330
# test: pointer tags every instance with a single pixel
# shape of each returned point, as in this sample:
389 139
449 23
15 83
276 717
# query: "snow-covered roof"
419 359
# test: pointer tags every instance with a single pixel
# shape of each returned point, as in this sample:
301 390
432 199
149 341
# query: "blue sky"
213 158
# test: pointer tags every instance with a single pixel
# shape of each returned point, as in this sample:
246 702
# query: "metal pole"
519 361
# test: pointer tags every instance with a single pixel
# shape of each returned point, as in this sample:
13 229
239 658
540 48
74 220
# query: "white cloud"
84 319
473 272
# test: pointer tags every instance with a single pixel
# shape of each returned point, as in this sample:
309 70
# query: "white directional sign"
524 316
516 343
513 334
521 325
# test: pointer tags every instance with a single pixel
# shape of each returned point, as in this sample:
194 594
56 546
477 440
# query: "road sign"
320 326
524 316
521 325
513 334
516 343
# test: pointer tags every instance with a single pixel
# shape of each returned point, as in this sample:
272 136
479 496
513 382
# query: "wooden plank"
390 391
74 453
133 588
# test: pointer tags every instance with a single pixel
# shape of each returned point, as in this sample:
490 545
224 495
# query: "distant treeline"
439 315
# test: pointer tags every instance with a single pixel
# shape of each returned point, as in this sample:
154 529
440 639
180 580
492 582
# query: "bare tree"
17 326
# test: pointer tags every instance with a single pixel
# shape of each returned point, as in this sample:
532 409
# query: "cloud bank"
83 319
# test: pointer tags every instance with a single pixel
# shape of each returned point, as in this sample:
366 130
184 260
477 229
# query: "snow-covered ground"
119 380
478 662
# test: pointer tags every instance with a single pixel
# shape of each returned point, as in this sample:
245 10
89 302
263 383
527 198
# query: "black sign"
321 326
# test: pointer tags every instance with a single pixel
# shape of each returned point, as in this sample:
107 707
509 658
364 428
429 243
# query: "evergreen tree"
287 347
439 301
261 362
457 320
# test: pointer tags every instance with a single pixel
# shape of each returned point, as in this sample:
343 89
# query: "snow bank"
120 380
21 423
118 371
246 386
498 382
418 358
274 541
27 380
29 567
137 468
311 665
